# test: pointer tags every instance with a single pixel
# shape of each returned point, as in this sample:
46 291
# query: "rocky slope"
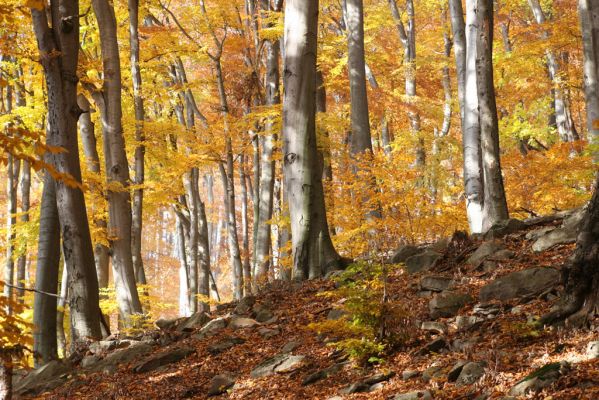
470 301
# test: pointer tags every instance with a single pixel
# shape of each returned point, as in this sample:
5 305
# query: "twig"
31 290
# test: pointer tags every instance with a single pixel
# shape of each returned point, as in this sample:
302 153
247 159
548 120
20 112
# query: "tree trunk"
473 178
137 209
60 331
46 278
117 166
303 177
183 274
589 23
458 29
5 377
13 167
494 203
245 231
563 119
88 141
25 204
61 82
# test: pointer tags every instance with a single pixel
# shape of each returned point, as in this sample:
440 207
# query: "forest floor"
493 336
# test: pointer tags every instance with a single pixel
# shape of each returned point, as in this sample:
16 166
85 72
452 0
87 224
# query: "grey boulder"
422 262
528 282
448 304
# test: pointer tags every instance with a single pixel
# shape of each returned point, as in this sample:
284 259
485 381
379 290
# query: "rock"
455 371
537 233
195 321
46 377
123 356
104 346
376 387
593 350
434 326
279 363
528 282
238 322
163 358
448 304
432 347
485 250
502 255
470 373
212 328
166 324
323 373
488 310
225 344
88 361
357 387
267 333
539 379
220 384
422 262
505 227
440 245
409 374
433 372
554 237
404 252
380 377
290 346
464 345
263 314
335 314
436 283
415 395
467 321
244 307
573 220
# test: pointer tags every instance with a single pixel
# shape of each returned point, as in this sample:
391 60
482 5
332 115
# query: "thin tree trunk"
5 377
117 166
589 22
494 203
60 331
61 81
46 278
25 204
183 274
13 168
458 29
245 232
137 209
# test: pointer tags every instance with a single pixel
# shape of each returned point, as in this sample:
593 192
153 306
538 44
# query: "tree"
589 23
312 249
117 166
61 40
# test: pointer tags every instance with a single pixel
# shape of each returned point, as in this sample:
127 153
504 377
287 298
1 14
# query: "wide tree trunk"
458 29
589 23
117 166
137 209
90 150
46 277
494 203
61 83
311 244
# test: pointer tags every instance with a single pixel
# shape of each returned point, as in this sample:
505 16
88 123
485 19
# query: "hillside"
470 303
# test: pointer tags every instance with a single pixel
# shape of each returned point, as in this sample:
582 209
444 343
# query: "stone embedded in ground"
323 373
357 387
464 345
244 306
290 346
88 361
502 255
238 322
165 324
454 372
448 304
336 313
436 283
123 356
46 377
593 350
505 227
540 379
486 249
195 321
212 328
268 333
163 358
422 262
467 321
470 373
409 374
537 233
280 363
553 238
432 347
433 326
263 314
104 346
225 344
433 372
440 245
220 384
404 252
379 377
415 395
528 282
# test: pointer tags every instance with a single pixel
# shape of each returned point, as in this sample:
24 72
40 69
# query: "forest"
299 199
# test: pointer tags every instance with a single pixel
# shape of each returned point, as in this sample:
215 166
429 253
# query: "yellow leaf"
36 4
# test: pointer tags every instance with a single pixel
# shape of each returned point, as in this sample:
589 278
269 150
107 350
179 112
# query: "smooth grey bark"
5 377
446 81
90 150
245 230
61 82
263 246
589 23
458 29
46 277
137 208
183 274
60 331
407 37
563 118
12 181
361 140
473 177
117 166
25 205
494 203
312 249
385 132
